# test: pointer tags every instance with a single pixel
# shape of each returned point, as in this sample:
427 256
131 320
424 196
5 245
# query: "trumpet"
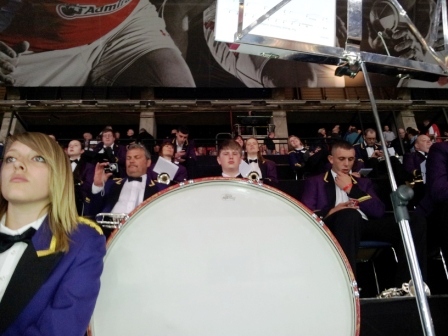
254 176
111 220
164 178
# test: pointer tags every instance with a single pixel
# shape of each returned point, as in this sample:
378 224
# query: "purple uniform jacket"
54 293
268 170
83 174
436 178
83 179
412 161
297 158
320 195
104 204
188 147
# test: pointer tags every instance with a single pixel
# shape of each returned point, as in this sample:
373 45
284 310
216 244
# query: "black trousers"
438 229
350 228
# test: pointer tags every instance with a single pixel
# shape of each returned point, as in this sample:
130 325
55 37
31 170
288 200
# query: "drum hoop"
318 221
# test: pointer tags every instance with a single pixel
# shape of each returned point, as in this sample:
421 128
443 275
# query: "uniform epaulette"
364 198
118 180
90 223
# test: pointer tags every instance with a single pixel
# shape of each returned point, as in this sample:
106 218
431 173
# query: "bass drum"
225 257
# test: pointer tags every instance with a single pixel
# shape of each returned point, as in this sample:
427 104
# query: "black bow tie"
75 161
255 161
6 240
370 146
139 179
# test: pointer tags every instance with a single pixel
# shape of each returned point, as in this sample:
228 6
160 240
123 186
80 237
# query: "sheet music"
165 166
299 20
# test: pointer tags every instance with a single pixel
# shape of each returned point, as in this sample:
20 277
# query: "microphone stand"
400 197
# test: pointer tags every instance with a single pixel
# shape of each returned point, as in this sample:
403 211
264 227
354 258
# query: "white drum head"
224 257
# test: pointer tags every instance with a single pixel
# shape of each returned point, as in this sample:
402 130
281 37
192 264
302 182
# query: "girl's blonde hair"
62 215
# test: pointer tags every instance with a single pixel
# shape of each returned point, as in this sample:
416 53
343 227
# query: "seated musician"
298 155
229 158
434 204
51 260
108 150
82 173
166 151
372 155
122 195
184 150
353 212
304 161
266 169
238 138
415 165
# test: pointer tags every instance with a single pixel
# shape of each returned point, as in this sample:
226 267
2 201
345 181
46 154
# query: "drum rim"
243 181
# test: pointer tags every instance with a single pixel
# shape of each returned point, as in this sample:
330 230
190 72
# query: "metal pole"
399 201
397 130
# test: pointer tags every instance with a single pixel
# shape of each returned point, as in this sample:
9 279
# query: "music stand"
254 33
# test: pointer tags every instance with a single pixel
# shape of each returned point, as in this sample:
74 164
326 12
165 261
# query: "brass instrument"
418 178
254 176
407 289
164 178
111 220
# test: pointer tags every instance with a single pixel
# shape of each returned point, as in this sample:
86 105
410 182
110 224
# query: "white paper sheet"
165 166
299 20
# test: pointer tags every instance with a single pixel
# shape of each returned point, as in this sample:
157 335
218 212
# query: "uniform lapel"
150 188
330 191
263 169
31 272
115 193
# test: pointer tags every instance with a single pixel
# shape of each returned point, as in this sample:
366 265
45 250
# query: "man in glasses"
371 154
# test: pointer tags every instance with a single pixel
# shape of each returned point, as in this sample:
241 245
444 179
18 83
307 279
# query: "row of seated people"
116 162
346 201
370 160
303 161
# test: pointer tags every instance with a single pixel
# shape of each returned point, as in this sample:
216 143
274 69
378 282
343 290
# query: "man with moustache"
122 195
353 212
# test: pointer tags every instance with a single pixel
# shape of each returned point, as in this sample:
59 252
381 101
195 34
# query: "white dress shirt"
369 150
131 196
10 258
254 166
341 196
74 164
423 167
225 175
101 151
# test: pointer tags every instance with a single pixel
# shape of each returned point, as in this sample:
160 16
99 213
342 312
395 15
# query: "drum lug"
355 288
